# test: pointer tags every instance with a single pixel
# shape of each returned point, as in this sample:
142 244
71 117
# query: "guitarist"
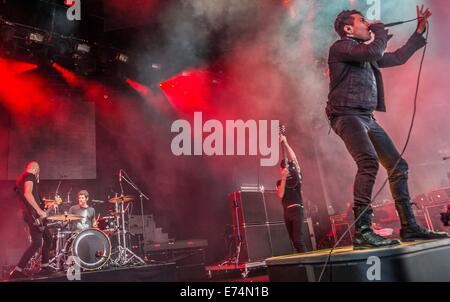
27 188
289 190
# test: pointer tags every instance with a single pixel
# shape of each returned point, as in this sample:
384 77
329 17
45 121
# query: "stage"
166 272
153 132
420 261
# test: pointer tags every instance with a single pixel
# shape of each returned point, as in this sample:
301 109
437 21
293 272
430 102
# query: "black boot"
410 230
365 238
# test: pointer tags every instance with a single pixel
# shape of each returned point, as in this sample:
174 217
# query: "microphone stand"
68 196
141 196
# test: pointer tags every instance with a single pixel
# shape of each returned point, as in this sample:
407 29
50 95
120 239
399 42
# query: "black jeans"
369 144
293 217
38 238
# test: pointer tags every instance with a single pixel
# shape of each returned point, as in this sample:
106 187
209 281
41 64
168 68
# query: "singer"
356 91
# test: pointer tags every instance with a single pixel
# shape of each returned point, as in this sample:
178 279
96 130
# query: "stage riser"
428 265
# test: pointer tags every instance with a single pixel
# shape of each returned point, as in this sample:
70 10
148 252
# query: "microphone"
97 201
394 23
68 195
398 23
120 182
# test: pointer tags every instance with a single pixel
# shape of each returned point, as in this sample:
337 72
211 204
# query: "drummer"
83 209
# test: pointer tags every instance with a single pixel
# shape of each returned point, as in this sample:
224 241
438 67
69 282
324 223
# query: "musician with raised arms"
289 191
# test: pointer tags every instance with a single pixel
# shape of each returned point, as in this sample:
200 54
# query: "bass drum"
92 248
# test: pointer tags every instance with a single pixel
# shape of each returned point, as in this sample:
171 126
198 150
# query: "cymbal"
65 217
122 199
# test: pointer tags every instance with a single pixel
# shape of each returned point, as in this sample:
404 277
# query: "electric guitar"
293 179
40 222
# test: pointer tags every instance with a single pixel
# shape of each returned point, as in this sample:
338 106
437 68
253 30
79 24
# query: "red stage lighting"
69 76
189 91
141 89
16 67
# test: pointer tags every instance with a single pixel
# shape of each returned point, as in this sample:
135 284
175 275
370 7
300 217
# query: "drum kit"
92 246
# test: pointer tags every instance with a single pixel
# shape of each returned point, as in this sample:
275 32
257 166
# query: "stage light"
36 37
156 66
84 48
122 57
141 89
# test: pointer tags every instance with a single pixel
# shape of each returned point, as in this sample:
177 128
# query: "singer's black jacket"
356 83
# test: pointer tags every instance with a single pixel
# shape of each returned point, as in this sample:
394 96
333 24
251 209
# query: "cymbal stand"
141 197
60 251
125 255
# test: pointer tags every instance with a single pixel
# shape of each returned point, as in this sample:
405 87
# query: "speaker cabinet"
279 239
254 242
259 228
248 208
273 207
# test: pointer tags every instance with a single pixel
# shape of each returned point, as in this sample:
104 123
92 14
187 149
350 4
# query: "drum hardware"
123 175
121 199
68 196
65 217
60 252
91 246
124 254
97 201
107 224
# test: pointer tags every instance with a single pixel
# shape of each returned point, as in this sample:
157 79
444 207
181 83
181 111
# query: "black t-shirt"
20 182
292 195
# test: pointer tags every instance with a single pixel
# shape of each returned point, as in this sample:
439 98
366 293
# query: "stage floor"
166 272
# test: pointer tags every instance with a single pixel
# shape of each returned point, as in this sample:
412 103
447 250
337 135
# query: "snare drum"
107 224
91 246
